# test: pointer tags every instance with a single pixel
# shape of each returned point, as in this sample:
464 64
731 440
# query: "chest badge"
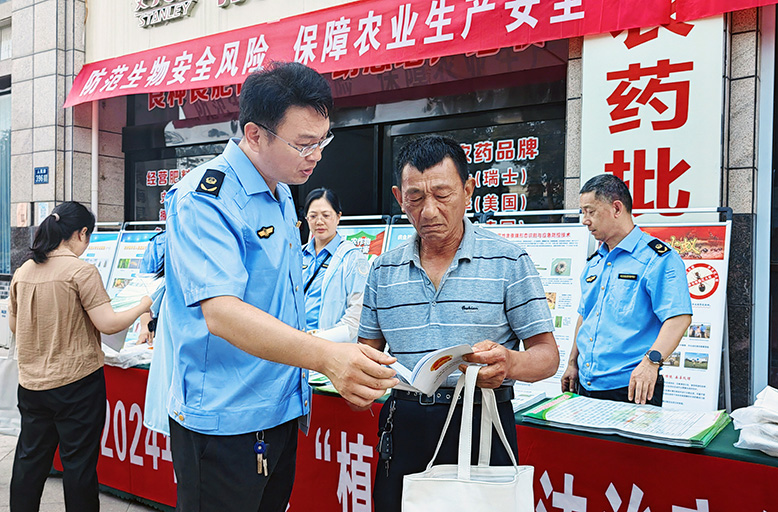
266 231
629 277
211 182
591 278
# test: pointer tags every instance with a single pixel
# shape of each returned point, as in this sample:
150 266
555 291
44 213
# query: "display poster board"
5 330
101 251
370 239
559 253
646 94
398 235
129 254
692 372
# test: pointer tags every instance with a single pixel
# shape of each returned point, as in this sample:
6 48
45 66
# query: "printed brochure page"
431 370
645 422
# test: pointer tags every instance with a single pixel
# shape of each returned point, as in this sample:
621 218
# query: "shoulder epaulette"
592 256
211 182
658 246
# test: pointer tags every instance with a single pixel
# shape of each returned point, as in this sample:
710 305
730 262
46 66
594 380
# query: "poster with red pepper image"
692 371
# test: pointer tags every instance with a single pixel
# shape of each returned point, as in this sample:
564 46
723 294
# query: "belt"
444 395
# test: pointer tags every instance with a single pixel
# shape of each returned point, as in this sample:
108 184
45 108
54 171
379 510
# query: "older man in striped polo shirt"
451 283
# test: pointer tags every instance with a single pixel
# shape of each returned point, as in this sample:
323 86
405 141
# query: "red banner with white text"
357 35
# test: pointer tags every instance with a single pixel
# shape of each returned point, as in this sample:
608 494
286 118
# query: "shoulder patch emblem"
211 182
266 231
658 246
591 278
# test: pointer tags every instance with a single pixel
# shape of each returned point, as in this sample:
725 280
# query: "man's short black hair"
609 188
266 95
429 150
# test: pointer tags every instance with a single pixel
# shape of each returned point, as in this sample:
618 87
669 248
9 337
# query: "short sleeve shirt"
56 340
228 235
626 295
154 254
490 291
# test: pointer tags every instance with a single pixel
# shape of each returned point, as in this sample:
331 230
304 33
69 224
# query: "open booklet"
431 370
644 422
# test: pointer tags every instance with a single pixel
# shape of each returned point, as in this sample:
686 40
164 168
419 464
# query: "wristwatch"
655 357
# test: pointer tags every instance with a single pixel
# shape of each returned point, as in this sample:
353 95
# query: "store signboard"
101 251
369 238
652 102
559 254
516 167
153 179
692 372
129 254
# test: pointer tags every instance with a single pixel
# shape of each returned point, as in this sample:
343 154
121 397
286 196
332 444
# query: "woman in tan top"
58 307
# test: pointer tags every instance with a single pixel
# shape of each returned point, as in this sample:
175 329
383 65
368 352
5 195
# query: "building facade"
518 109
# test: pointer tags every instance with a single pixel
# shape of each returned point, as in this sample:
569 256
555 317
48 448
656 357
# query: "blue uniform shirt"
228 235
312 261
152 257
626 295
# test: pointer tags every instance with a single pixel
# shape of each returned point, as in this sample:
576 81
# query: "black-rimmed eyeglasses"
305 150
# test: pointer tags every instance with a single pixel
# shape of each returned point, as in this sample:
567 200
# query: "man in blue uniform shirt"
234 305
635 303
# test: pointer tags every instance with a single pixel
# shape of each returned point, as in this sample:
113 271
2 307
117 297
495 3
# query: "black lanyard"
310 281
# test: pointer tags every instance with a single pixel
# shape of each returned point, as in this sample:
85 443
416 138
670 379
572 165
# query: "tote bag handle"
489 418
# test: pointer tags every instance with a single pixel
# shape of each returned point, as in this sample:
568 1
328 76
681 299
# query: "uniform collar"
331 247
248 175
627 244
465 250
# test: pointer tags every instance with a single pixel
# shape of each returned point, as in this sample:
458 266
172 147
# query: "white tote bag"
464 488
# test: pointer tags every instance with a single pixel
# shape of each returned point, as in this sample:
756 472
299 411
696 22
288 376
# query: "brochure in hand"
130 296
431 370
126 298
644 422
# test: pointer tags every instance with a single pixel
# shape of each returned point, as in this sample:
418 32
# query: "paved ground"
53 500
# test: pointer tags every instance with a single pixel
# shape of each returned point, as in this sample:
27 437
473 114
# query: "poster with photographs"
692 372
129 254
559 253
100 253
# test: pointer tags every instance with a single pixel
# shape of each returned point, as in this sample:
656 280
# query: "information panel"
692 372
398 235
559 254
370 239
128 257
101 251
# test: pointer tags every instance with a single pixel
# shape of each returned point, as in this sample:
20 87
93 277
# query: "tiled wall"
48 52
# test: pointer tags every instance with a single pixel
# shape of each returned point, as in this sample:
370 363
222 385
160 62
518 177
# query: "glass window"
5 42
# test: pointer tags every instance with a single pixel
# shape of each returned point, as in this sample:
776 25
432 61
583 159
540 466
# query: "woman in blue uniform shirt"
334 271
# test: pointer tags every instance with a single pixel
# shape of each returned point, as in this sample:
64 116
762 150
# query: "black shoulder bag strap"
310 281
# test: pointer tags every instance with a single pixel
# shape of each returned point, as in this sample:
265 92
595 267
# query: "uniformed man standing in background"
635 304
234 305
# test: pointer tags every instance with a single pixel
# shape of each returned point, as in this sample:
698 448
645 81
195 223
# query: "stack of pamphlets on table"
523 397
644 422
